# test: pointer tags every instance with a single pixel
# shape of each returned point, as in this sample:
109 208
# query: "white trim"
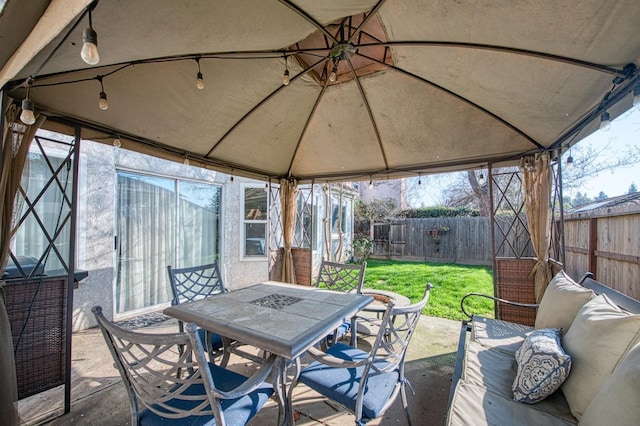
241 255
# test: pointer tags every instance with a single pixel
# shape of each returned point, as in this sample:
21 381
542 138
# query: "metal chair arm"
495 299
333 361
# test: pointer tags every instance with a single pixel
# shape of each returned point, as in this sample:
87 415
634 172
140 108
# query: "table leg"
285 392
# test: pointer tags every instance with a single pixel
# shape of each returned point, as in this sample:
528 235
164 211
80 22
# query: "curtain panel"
288 207
16 138
538 178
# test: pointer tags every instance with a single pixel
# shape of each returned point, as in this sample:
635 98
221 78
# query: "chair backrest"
157 375
196 282
343 277
396 329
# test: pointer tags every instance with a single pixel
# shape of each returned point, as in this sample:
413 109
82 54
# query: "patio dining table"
283 319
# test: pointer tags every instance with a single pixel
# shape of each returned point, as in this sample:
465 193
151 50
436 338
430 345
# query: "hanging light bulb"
481 179
569 161
605 122
89 52
199 79
231 179
370 183
27 116
103 103
334 72
420 180
116 141
636 96
186 161
285 78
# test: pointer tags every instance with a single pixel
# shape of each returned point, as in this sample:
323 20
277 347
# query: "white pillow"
618 401
560 303
597 340
542 366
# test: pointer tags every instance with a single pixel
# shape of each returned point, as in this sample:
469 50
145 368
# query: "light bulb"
186 161
102 102
371 184
481 179
89 52
200 81
333 75
27 116
636 96
605 122
116 142
569 162
285 79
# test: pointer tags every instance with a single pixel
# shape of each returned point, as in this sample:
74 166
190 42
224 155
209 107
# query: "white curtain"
146 229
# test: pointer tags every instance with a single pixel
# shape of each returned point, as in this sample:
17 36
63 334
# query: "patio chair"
197 282
367 383
170 386
343 277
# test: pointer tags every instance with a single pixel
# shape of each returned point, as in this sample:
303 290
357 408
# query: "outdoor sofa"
579 364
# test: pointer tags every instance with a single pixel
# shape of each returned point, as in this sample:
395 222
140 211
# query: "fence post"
593 246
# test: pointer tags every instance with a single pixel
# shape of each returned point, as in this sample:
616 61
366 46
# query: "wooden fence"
606 243
464 240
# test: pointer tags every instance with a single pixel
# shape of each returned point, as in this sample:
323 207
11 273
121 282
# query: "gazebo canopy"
420 86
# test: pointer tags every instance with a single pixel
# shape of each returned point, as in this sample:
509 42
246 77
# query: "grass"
450 283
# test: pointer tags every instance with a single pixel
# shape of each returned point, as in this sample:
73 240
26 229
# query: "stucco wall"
96 224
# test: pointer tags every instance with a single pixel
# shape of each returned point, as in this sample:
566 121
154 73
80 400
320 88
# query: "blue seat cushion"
236 411
342 329
342 384
216 340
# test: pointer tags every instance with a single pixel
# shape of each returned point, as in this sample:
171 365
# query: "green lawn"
450 283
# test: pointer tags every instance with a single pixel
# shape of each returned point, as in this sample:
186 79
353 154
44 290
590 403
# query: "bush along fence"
464 240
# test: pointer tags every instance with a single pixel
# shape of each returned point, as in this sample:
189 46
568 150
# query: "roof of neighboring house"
623 204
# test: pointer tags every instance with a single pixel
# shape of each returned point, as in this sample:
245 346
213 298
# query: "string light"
116 141
27 116
605 122
186 160
89 52
419 179
569 161
481 178
285 78
199 79
103 103
334 71
370 182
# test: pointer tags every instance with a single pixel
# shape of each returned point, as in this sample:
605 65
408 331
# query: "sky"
624 132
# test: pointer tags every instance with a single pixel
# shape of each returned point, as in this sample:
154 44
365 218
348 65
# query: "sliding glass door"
161 221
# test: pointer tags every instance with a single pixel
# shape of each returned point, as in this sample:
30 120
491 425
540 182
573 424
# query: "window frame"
243 239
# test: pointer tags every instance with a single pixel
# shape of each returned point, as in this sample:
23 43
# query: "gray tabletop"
283 319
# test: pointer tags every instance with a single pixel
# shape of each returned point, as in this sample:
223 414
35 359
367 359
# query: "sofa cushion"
618 401
560 303
504 335
476 405
495 370
542 366
597 340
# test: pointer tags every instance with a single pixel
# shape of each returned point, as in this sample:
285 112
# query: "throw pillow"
618 401
542 366
598 339
560 303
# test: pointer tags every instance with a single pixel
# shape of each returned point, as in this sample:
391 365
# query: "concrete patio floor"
98 396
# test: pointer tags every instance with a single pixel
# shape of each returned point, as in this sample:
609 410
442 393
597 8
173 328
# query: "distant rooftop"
623 204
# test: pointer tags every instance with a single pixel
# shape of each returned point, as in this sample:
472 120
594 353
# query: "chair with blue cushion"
171 386
197 282
344 277
367 383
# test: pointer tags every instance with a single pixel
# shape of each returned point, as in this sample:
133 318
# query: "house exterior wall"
96 224
99 164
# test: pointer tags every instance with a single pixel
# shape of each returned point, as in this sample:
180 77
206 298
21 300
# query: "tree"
601 196
632 188
580 199
376 210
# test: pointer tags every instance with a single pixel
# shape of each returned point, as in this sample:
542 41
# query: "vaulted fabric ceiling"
420 86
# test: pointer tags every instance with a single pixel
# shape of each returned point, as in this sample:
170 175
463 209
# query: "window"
161 221
254 208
